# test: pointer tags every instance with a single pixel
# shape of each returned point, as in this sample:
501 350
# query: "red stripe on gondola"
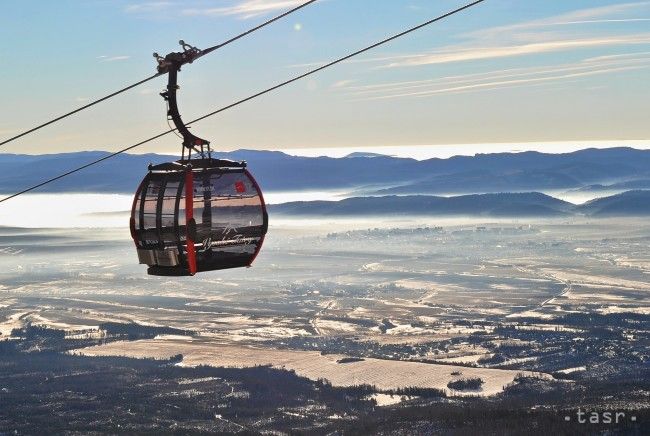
264 212
189 216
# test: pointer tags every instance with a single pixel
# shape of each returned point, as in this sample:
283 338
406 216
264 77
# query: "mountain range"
363 172
497 184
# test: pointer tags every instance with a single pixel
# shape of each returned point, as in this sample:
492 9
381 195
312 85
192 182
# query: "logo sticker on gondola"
240 187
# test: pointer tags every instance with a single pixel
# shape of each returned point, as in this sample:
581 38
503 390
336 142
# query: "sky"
534 74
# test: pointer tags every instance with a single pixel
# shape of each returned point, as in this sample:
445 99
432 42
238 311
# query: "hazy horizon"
418 152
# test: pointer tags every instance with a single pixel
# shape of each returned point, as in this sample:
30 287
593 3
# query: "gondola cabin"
198 215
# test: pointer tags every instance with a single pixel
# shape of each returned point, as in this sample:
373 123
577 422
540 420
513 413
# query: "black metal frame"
171 64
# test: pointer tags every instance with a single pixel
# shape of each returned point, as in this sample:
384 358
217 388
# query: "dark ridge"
507 204
630 203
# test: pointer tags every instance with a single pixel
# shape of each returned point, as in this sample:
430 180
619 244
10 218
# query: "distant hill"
364 154
367 173
512 204
121 174
630 203
487 181
629 185
528 171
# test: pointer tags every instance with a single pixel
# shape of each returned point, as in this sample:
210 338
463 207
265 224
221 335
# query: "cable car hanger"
171 65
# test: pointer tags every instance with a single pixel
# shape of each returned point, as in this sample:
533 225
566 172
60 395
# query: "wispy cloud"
245 9
104 58
489 86
493 52
516 77
603 14
621 20
147 91
586 64
605 11
636 54
540 36
582 30
147 7
342 83
551 34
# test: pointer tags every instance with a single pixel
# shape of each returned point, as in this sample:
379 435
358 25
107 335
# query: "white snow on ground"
334 326
620 309
530 314
6 303
570 370
37 319
382 267
520 360
470 358
432 296
431 319
594 280
387 399
10 323
416 284
358 312
271 332
548 327
235 319
172 337
384 374
406 329
598 297
502 287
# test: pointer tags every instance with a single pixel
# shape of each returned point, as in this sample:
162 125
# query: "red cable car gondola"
199 213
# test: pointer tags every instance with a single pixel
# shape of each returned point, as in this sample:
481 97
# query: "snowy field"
384 374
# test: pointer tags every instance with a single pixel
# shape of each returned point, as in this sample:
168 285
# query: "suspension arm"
171 64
